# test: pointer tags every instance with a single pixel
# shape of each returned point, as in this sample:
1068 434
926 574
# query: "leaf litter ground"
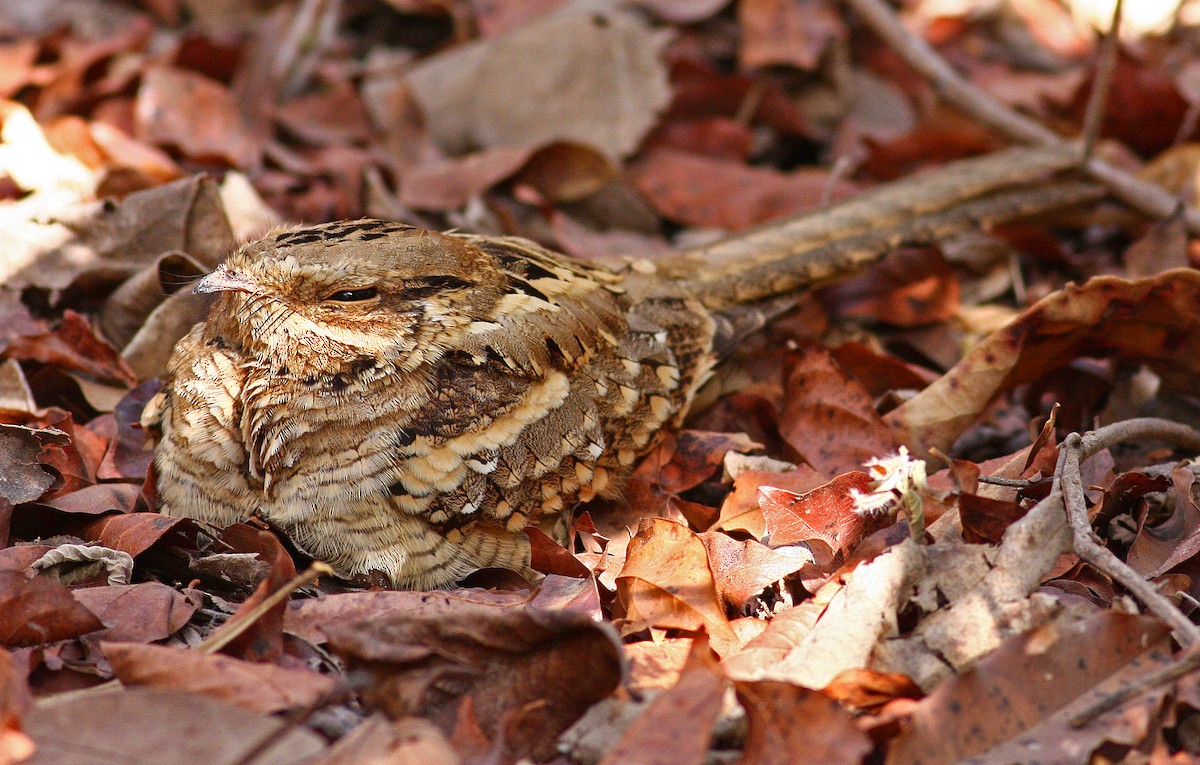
734 606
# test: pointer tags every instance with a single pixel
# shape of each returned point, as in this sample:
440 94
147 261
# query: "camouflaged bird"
403 401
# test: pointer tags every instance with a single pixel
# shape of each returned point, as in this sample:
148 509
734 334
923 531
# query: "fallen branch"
1077 448
1148 198
230 630
968 195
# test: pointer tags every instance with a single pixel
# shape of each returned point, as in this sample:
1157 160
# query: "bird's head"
353 289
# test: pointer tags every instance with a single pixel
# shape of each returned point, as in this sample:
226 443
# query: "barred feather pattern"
402 401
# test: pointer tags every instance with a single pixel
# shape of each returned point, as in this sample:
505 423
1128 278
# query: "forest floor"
945 510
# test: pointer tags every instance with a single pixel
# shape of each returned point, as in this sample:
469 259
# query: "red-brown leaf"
40 610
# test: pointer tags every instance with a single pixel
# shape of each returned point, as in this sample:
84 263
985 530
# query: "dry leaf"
1040 680
163 727
529 673
581 74
262 688
676 727
666 583
715 193
828 418
140 613
198 115
1154 320
793 32
790 725
40 610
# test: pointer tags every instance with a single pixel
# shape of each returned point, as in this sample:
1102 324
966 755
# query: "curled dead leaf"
529 673
1155 320
262 688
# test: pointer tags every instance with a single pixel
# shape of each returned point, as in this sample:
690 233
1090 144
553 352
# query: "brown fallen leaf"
666 583
785 32
586 75
21 556
1154 320
549 557
1040 680
529 673
790 725
16 65
335 114
263 639
685 459
40 610
715 137
742 511
379 741
449 184
704 90
657 664
1163 247
126 457
682 11
828 418
15 745
985 519
714 193
21 449
866 690
75 347
562 172
75 461
742 569
565 593
126 310
676 728
96 499
200 116
879 373
163 727
839 629
134 533
1126 495
826 514
311 618
139 613
910 287
263 688
1172 539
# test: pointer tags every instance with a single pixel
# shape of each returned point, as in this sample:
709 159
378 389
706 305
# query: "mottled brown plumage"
404 401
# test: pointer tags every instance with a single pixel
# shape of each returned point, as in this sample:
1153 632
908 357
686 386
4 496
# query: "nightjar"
403 401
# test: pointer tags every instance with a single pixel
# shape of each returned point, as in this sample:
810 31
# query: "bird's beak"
224 280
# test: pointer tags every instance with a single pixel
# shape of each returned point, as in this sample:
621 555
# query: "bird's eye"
354 296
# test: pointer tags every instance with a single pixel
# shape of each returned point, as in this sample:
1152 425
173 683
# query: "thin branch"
1148 198
1186 663
1141 428
1016 483
1075 449
1101 85
1089 549
230 630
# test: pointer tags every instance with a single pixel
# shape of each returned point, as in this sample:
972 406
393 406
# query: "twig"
1186 663
1098 98
230 630
1016 483
1069 483
1075 449
1148 198
292 720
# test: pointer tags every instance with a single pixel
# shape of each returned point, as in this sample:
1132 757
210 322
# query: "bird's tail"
829 243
